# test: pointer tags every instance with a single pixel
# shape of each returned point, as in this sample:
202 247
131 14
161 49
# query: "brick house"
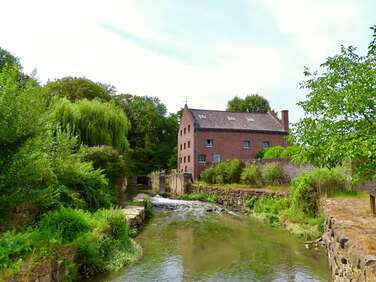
207 136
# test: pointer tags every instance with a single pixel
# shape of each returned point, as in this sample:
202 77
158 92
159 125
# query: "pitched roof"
210 119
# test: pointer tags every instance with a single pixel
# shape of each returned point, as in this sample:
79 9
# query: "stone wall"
349 242
289 169
234 199
173 183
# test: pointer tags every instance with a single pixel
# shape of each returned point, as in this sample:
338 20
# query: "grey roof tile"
210 119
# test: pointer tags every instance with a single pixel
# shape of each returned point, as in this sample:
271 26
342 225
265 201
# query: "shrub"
208 175
108 159
260 154
100 241
272 173
270 207
273 152
149 211
223 172
251 175
307 188
290 151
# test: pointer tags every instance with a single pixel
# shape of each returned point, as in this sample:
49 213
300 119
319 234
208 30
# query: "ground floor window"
202 158
265 144
216 158
247 144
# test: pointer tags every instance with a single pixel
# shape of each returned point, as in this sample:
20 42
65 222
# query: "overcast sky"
207 50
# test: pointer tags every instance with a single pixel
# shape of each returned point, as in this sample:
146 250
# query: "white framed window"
247 144
265 144
209 143
216 158
202 158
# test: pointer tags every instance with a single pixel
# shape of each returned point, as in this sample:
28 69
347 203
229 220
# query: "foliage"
153 135
47 173
307 188
20 111
95 123
223 172
100 241
251 175
108 159
273 152
250 104
149 211
269 206
78 88
200 196
272 173
8 60
339 126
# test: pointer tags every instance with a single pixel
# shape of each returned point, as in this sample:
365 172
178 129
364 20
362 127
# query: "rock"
135 216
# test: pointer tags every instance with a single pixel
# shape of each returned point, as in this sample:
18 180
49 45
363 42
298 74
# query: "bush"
108 159
251 175
307 188
272 173
270 207
273 152
100 242
149 211
223 172
279 152
290 151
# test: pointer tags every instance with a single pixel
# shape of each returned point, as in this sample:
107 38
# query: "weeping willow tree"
94 122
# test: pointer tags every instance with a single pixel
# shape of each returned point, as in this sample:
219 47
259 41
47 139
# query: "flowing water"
194 241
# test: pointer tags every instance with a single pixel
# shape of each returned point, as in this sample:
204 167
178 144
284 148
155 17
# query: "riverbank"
350 239
185 239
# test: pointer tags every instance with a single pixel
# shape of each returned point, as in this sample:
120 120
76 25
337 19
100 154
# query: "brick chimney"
285 119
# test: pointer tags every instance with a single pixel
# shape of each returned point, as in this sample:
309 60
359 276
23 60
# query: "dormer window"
209 143
231 118
250 119
202 116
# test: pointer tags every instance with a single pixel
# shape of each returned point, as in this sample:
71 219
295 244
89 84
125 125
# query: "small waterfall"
196 208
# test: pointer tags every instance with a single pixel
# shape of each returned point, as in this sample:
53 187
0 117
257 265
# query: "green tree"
78 88
6 58
339 127
94 122
250 104
153 134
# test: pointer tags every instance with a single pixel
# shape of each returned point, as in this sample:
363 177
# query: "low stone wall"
349 240
234 199
289 169
173 183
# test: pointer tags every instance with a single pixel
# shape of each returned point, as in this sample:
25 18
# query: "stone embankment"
234 199
350 240
135 216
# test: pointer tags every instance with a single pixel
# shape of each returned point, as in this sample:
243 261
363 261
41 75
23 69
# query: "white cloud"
63 38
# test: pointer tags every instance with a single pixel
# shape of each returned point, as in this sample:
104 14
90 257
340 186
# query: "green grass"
350 194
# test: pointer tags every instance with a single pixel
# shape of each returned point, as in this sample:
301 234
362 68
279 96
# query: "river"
193 242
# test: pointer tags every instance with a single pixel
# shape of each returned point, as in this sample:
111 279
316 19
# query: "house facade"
207 136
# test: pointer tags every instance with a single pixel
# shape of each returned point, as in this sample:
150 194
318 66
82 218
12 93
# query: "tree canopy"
251 103
339 126
153 133
94 122
78 88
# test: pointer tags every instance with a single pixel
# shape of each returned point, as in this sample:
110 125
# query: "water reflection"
220 248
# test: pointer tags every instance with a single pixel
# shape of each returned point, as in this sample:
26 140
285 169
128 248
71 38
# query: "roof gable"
210 119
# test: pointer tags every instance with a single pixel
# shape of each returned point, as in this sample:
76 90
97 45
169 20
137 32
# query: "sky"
205 51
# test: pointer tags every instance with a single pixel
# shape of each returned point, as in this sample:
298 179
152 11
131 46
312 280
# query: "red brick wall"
186 122
229 144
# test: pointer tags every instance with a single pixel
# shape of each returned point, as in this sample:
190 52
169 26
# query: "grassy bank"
83 242
300 212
